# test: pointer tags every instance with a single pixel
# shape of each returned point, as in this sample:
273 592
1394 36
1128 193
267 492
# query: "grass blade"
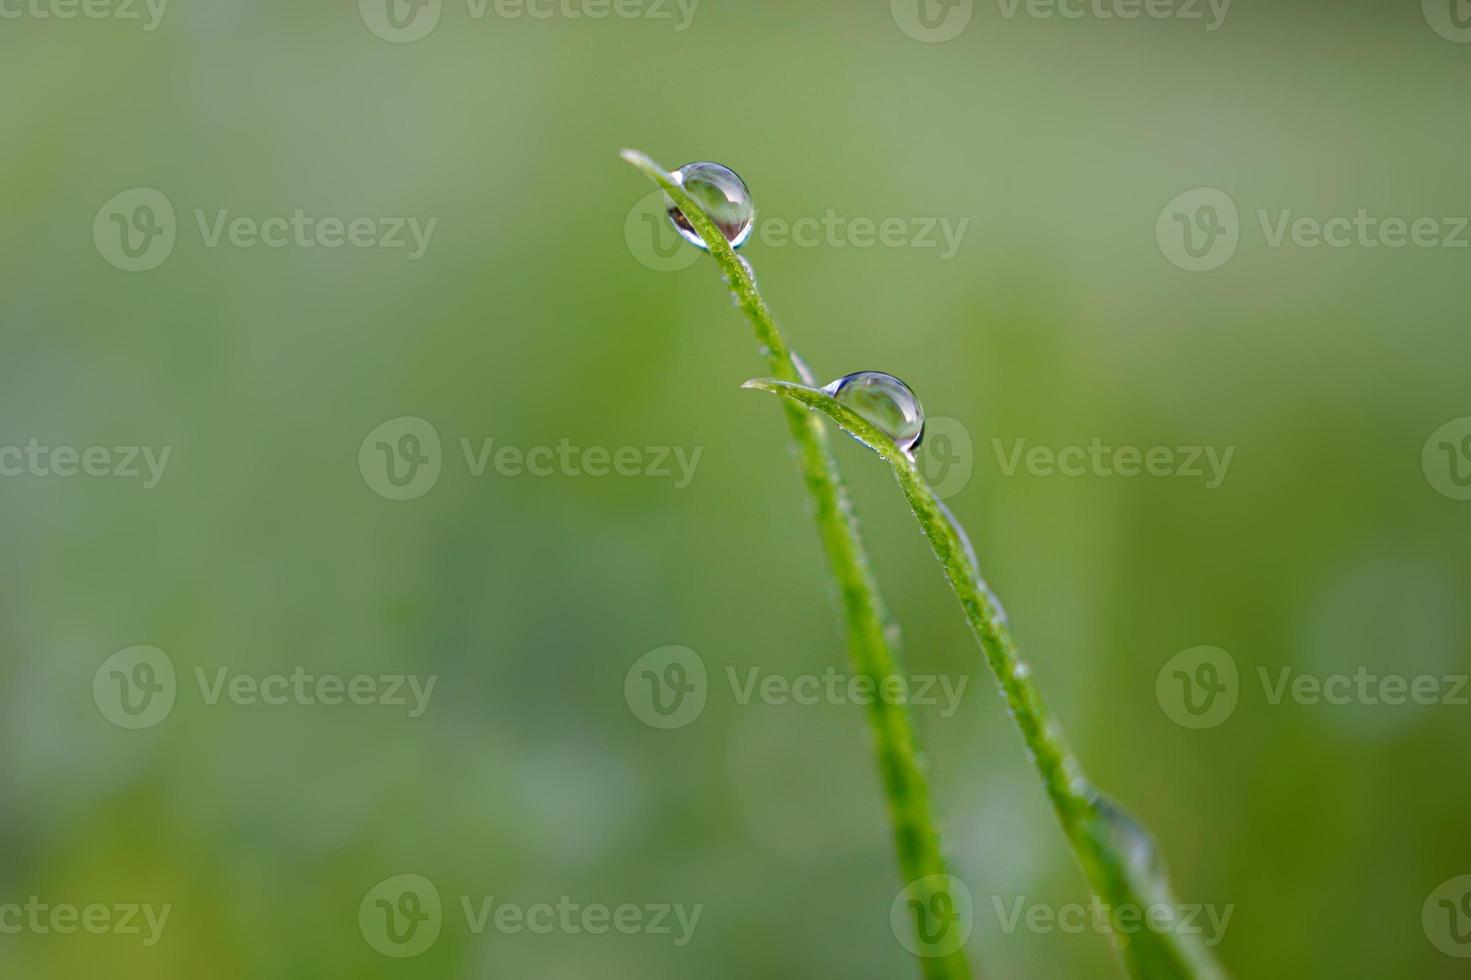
868 629
1116 854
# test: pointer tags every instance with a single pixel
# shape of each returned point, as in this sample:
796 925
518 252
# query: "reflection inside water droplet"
723 195
886 403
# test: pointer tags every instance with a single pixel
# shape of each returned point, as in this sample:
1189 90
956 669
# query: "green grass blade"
1116 854
868 629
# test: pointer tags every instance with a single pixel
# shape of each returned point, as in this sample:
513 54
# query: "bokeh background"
1331 545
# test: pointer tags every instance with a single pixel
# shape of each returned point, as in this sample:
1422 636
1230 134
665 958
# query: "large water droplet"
723 195
886 403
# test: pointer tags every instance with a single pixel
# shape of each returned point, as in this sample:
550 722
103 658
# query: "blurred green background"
530 319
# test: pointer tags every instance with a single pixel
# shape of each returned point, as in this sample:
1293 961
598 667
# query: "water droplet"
1130 840
975 563
723 195
886 403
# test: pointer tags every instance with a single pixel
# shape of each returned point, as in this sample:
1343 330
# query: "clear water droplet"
975 563
1129 838
723 195
886 403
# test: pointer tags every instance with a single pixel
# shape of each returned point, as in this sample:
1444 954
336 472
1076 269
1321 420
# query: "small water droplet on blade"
723 195
886 403
1132 842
